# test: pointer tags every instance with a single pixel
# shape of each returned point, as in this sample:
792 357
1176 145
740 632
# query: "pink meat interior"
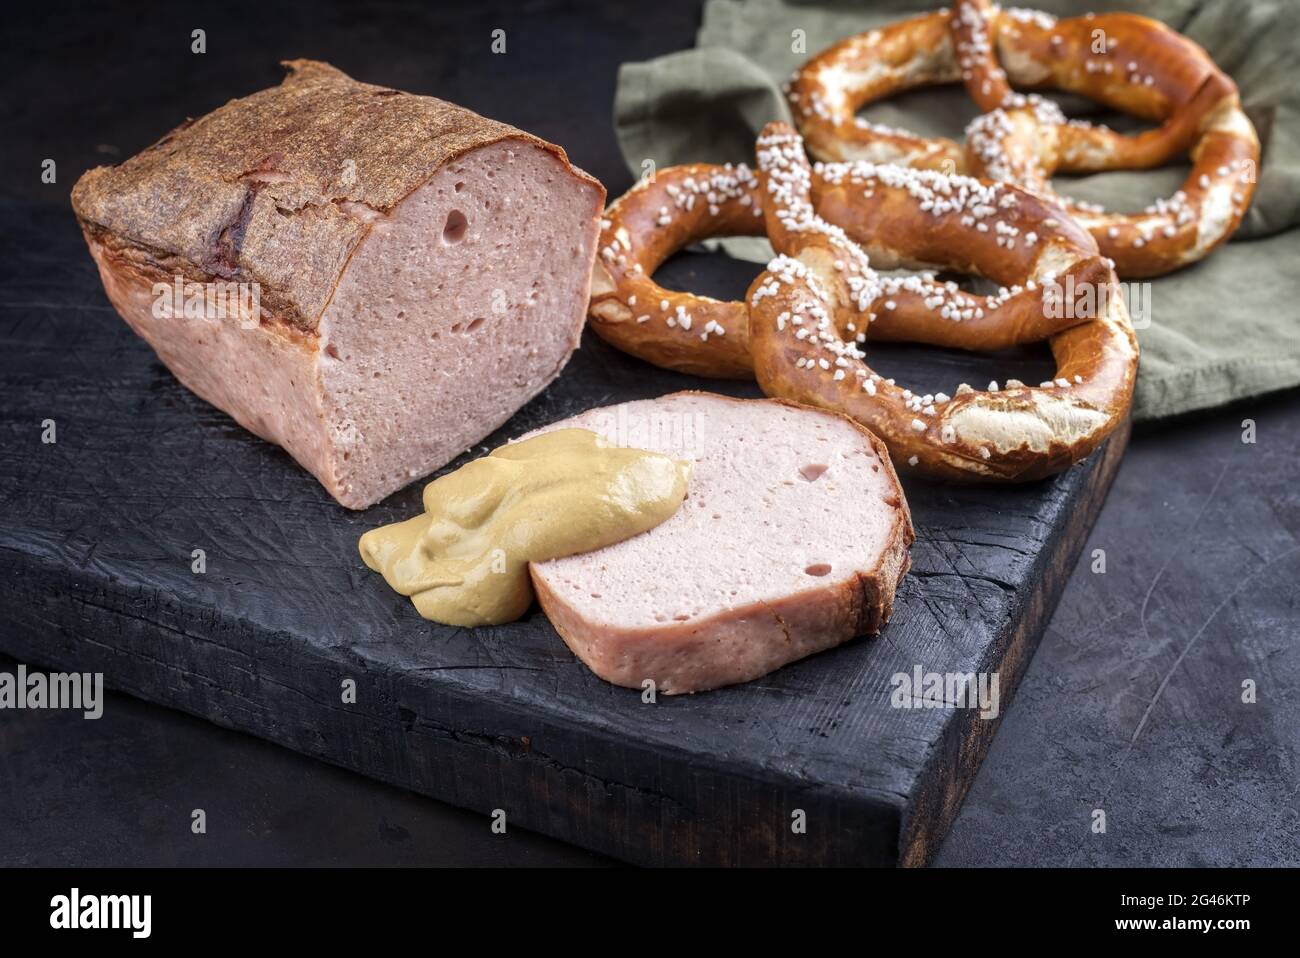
460 306
780 501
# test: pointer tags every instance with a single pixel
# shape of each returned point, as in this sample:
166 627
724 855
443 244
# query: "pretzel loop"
653 220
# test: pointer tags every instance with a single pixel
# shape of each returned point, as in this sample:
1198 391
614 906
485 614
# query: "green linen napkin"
1223 329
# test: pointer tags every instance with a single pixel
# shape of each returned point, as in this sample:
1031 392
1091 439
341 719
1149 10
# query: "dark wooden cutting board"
98 529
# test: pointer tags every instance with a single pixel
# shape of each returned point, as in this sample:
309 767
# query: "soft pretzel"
821 285
1146 69
901 217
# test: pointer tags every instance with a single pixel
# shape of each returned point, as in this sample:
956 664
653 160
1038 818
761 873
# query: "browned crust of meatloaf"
806 622
274 188
139 265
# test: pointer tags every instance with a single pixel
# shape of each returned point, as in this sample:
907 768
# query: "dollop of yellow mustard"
464 561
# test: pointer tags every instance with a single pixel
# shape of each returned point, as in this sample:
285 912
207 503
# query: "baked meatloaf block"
792 539
420 272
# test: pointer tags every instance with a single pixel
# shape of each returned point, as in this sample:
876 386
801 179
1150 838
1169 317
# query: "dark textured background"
1132 703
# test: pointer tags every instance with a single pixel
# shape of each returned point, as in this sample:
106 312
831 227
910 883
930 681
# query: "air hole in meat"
813 471
455 229
332 351
474 324
460 186
818 569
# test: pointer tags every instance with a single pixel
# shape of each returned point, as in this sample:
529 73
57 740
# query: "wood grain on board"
98 530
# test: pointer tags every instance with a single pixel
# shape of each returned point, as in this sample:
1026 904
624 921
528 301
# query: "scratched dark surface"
1209 781
96 533
95 555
